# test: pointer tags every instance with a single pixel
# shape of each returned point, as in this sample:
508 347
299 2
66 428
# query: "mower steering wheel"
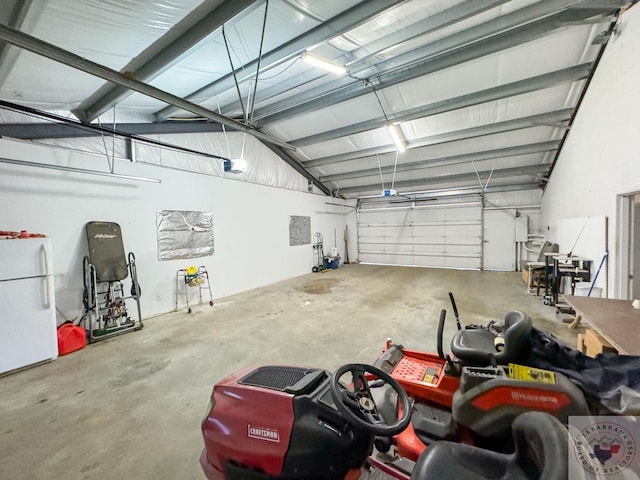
357 404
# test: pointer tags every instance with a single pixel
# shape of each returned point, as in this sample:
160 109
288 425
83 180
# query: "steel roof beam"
131 132
295 164
39 131
450 192
65 57
15 19
431 24
528 85
493 36
450 160
93 129
335 26
577 12
532 170
440 20
543 119
180 38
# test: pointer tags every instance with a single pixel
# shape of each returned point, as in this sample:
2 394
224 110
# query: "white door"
499 252
628 215
634 244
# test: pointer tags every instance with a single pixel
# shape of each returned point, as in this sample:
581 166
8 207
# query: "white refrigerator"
27 305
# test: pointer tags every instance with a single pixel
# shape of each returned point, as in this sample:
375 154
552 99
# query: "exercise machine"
104 297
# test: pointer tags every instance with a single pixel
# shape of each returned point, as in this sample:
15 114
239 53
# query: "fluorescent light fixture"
324 64
398 137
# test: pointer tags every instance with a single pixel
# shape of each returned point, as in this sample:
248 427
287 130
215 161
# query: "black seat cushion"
540 453
476 346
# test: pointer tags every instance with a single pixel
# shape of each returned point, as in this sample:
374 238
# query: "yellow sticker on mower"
428 379
531 374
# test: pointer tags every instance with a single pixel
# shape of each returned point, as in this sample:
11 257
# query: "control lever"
455 310
443 314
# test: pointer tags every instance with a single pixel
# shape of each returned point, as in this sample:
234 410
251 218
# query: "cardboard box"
594 343
580 346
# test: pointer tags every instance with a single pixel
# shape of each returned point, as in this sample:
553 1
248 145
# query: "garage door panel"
428 240
376 217
428 215
399 259
471 241
462 262
408 240
386 248
462 240
386 259
463 213
378 231
394 231
472 231
463 250
429 230
398 217
437 249
434 236
437 261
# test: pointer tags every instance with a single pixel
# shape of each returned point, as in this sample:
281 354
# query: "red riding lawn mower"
474 415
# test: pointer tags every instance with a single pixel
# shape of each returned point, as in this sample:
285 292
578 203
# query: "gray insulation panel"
299 230
184 234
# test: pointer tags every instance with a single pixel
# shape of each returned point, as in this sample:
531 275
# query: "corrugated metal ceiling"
483 91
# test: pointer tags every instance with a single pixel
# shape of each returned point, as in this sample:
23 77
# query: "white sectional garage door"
426 236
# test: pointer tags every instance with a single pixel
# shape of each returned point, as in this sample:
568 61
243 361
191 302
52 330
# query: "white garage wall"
601 158
251 222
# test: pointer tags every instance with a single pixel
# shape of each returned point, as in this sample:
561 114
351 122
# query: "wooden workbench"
615 320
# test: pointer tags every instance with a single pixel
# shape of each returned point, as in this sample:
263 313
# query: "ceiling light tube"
398 137
324 64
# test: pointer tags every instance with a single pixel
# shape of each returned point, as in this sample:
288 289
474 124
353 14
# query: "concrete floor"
130 407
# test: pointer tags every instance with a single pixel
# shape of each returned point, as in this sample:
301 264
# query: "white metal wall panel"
447 236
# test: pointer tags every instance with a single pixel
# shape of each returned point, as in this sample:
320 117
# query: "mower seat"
541 449
476 346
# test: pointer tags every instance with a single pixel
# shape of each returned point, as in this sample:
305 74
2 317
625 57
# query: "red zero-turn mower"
429 416
293 423
475 394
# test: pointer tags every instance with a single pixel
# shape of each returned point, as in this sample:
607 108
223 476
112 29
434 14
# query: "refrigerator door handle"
47 264
48 294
